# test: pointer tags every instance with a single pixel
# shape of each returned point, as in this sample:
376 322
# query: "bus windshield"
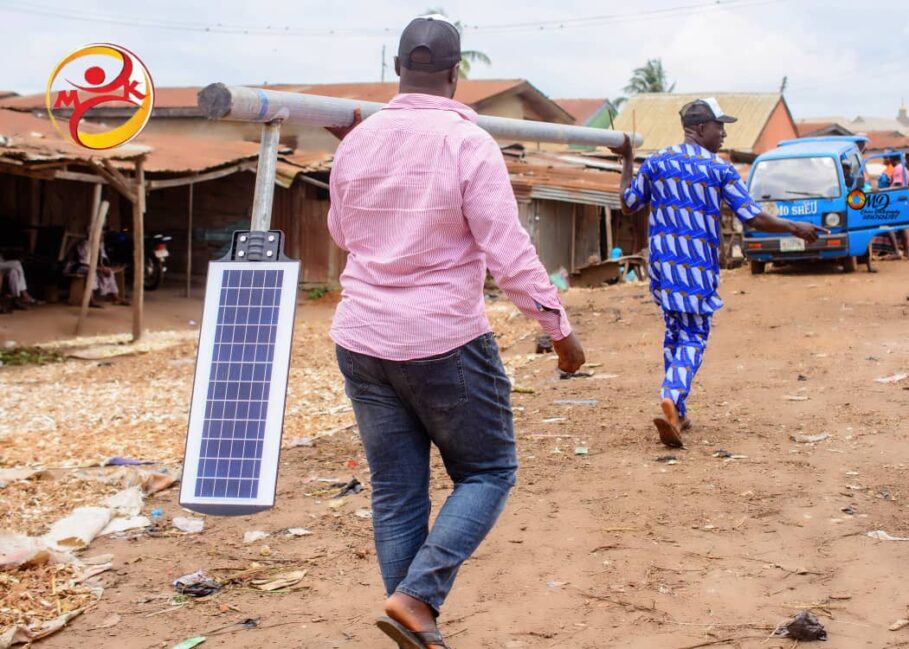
787 179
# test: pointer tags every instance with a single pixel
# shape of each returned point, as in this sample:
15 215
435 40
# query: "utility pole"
783 84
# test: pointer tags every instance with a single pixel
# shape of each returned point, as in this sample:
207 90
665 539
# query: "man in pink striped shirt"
422 202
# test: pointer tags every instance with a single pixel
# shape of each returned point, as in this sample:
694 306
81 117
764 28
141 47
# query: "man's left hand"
807 231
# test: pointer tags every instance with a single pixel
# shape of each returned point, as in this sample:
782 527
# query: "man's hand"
341 132
570 352
625 150
807 231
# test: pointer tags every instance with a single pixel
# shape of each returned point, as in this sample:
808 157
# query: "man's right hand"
625 150
570 353
341 132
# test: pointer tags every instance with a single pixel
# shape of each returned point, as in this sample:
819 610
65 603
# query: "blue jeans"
459 401
683 353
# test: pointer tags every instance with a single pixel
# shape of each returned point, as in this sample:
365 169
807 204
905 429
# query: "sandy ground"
609 549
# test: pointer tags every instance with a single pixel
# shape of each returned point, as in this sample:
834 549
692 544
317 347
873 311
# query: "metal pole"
189 243
139 250
238 103
265 176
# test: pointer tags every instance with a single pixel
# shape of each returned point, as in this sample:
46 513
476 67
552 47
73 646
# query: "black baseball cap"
701 111
438 35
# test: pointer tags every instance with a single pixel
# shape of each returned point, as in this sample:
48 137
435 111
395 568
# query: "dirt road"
610 549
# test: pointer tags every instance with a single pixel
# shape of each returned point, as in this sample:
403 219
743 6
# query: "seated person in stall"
12 279
77 261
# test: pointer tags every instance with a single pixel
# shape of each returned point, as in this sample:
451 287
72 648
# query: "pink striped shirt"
422 202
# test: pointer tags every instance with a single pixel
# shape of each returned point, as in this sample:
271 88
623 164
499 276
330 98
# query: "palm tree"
468 57
650 77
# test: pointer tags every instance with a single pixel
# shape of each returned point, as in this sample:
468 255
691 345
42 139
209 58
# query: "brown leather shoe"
669 426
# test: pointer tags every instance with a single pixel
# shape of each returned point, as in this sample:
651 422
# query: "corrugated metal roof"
543 179
581 109
886 140
656 117
869 123
469 91
807 129
26 138
30 138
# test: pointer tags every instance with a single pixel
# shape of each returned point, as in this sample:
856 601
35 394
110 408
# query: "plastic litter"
279 581
352 487
78 529
189 643
881 535
804 626
255 535
363 513
298 531
125 525
576 402
581 450
560 280
125 461
893 378
808 439
196 584
301 441
189 524
668 459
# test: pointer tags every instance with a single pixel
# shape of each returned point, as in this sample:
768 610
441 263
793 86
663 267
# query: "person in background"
105 285
684 186
15 281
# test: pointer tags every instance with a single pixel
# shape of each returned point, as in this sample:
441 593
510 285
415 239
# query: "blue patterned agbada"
685 186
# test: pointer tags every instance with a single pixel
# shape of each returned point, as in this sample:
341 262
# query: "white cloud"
833 66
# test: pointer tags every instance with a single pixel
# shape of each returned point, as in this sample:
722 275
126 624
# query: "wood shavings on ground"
37 596
30 506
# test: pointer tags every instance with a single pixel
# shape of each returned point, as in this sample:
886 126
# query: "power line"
286 30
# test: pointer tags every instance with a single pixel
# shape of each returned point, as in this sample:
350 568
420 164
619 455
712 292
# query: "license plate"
792 244
161 254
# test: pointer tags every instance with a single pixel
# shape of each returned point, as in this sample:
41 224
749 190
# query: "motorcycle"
119 247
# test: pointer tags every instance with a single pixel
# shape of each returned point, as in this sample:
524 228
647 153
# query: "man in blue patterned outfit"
684 186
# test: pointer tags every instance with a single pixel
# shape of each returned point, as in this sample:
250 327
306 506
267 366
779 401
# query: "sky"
834 64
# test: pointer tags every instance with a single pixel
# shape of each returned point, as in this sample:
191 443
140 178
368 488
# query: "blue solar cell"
237 401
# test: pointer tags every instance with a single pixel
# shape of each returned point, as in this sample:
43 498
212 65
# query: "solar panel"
237 413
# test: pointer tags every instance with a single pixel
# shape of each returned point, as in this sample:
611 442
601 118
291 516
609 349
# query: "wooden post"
94 248
608 232
189 243
574 236
138 250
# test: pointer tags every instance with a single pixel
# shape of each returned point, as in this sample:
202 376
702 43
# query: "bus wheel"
758 267
850 264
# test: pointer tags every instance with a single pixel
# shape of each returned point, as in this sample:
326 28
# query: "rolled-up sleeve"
492 213
637 195
335 209
736 196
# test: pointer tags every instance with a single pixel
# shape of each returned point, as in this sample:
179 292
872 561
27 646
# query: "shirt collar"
414 100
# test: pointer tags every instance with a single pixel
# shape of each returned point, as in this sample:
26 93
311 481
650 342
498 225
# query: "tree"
468 57
650 77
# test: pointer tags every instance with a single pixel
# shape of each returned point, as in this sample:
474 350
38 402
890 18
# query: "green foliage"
317 292
28 356
468 57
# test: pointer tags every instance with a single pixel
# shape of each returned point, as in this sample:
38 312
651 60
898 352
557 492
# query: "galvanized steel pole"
239 103
265 176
